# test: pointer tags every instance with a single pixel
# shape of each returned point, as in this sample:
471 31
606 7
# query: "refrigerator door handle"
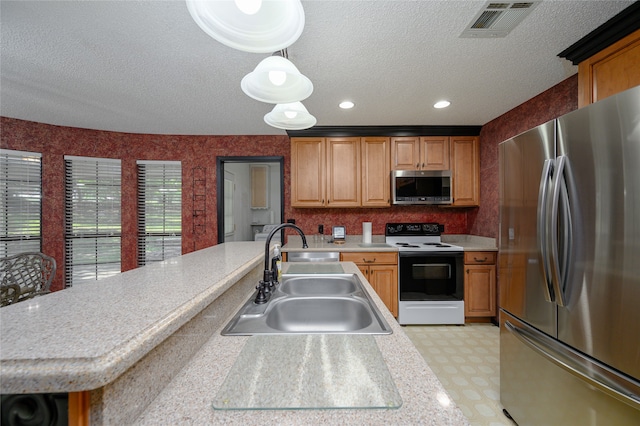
606 380
542 213
559 188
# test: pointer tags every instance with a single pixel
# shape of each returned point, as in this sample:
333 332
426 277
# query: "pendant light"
290 116
276 80
255 26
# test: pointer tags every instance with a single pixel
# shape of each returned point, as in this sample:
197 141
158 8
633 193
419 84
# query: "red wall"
194 151
558 100
201 151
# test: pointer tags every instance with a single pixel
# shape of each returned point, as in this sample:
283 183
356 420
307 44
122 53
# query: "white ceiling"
146 67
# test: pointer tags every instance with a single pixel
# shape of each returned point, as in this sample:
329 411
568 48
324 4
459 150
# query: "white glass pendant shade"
275 24
248 7
290 116
276 81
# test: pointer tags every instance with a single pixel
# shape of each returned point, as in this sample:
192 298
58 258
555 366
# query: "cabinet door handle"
417 165
467 271
423 165
369 261
480 260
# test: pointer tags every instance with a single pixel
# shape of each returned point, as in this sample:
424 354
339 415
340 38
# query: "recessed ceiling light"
441 104
346 104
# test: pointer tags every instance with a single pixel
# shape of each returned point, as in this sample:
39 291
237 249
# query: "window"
159 210
92 218
20 202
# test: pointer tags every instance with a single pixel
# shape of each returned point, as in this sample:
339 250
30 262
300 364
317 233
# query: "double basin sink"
311 304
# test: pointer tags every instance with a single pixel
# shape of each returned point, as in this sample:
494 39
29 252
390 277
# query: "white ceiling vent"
497 19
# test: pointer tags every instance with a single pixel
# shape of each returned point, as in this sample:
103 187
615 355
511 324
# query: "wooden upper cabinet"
308 167
610 71
465 171
405 153
356 171
343 172
375 166
420 153
434 153
340 172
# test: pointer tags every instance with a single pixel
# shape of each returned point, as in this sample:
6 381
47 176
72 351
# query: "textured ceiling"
146 67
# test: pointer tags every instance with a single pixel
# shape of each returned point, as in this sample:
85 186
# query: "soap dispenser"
276 264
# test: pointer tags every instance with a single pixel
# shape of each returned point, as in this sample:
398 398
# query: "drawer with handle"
370 257
479 257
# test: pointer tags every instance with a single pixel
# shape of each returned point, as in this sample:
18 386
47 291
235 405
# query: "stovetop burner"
417 237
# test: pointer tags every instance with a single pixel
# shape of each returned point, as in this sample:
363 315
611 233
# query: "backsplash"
455 220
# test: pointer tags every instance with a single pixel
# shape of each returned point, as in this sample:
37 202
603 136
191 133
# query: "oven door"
430 276
431 288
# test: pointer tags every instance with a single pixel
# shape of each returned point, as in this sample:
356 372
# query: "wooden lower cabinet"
381 270
479 284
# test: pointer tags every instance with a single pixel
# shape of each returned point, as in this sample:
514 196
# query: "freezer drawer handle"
571 363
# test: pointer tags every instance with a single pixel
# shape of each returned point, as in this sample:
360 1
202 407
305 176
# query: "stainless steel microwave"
421 186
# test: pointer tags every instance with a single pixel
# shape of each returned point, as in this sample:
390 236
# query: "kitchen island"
145 347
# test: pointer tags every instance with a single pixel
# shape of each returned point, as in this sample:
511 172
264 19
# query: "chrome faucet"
264 288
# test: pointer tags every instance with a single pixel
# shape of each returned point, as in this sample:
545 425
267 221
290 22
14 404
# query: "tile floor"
466 360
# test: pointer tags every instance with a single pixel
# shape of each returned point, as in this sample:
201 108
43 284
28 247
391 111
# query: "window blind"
92 218
20 202
159 210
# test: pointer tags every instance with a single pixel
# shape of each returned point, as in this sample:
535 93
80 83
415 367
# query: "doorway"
250 195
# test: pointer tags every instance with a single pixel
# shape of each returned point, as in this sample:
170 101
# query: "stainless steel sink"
319 315
311 304
326 285
313 256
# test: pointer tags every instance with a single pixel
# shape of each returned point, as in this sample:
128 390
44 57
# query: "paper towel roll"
366 232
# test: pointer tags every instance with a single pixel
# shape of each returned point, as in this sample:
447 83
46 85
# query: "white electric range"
430 274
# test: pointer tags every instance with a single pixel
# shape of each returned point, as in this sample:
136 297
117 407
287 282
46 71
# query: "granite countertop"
189 398
471 242
86 336
354 243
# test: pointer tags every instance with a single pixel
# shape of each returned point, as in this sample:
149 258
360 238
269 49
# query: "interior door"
229 207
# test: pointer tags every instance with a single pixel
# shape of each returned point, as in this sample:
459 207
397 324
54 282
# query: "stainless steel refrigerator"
569 268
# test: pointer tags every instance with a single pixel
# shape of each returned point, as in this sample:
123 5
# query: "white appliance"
430 274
